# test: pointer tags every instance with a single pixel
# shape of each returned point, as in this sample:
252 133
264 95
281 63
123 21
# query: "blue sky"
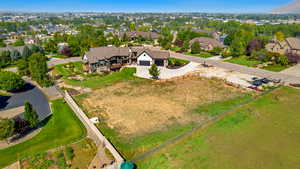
232 6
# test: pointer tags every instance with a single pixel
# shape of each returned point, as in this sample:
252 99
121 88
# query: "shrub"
61 161
216 51
10 81
69 153
21 125
283 60
6 128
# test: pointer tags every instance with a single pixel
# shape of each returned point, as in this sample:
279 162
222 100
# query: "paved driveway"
31 94
287 78
165 73
294 71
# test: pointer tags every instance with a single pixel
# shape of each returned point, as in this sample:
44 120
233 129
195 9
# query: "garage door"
159 62
145 63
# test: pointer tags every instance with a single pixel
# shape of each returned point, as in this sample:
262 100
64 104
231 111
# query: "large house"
289 45
103 59
207 43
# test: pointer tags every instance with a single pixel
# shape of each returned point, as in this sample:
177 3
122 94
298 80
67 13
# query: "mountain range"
290 8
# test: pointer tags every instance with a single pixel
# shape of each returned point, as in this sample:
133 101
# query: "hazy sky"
241 6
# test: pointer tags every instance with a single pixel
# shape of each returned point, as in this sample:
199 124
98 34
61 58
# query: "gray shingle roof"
204 41
294 43
101 53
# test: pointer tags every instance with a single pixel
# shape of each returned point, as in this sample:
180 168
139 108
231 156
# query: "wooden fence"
93 131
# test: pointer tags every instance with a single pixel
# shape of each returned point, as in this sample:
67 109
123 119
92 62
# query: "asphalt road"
287 78
31 94
57 61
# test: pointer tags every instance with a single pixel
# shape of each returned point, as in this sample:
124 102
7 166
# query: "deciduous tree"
6 128
10 81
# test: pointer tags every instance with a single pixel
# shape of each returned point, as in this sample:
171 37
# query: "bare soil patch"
141 106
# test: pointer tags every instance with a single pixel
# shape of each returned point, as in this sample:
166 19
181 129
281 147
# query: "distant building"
207 43
289 45
135 34
103 59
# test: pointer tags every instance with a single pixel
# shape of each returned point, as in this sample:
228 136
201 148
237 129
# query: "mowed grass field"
60 129
263 134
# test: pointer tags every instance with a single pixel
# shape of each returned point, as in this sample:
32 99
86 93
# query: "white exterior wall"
145 57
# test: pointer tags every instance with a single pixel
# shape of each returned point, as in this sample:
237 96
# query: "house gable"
144 57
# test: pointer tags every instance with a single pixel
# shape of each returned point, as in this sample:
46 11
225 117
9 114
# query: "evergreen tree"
4 58
26 52
30 115
186 45
14 55
154 71
195 48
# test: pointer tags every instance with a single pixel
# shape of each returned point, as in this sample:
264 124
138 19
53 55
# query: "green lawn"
261 134
61 128
175 61
59 56
98 81
276 68
132 147
74 68
244 60
202 54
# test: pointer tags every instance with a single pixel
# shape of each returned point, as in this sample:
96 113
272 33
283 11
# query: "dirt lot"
140 106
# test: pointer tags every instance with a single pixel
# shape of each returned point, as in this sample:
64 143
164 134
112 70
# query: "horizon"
156 6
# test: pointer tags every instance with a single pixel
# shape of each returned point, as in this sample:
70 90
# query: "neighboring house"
289 45
214 34
103 59
207 43
20 49
61 46
135 34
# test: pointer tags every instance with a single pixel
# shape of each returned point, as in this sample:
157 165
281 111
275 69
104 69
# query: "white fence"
93 131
